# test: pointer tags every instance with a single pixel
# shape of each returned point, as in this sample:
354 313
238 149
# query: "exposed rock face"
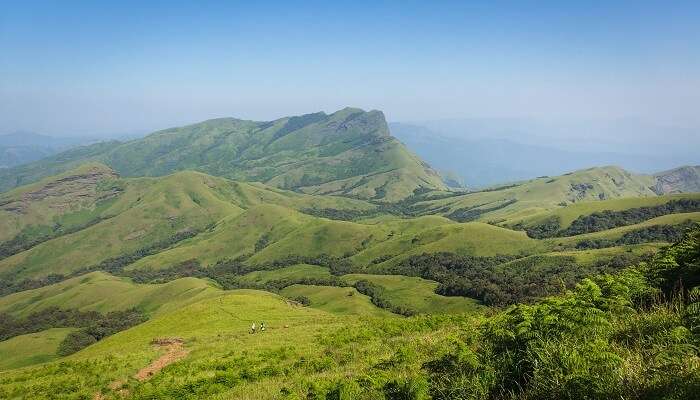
64 193
679 180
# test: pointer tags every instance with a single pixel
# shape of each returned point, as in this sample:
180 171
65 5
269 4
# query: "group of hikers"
253 327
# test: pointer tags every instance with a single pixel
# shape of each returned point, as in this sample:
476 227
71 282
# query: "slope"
113 218
519 200
102 292
348 152
678 180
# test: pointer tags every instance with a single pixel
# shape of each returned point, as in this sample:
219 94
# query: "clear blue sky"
96 68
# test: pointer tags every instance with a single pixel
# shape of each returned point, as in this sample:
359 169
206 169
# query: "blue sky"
98 68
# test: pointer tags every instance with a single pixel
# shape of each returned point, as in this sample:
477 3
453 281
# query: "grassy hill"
416 294
102 292
566 215
508 203
60 202
32 348
138 213
349 152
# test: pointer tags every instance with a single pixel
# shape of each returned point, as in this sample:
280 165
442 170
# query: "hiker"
252 328
262 327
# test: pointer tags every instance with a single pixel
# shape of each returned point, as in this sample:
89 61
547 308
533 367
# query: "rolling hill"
349 152
504 203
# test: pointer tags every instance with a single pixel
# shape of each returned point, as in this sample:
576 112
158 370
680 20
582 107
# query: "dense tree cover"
96 330
29 238
228 274
608 219
94 326
494 283
548 228
633 335
472 214
604 220
378 298
48 318
649 234
113 265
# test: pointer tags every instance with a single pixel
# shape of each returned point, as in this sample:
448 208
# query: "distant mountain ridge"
484 156
23 147
349 152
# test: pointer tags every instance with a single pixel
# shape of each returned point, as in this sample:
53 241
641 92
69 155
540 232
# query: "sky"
106 68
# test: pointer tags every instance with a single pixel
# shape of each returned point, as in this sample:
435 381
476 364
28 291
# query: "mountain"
678 180
23 147
349 152
493 152
499 203
106 279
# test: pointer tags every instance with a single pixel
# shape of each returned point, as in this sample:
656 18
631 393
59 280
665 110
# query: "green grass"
336 300
348 152
541 195
151 210
417 294
99 291
303 347
298 271
591 256
568 214
615 233
32 348
69 199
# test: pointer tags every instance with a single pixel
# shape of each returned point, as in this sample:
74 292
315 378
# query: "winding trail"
175 352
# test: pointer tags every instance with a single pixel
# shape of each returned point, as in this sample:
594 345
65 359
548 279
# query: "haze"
101 70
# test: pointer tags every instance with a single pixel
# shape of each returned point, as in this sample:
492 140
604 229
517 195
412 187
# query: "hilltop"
349 152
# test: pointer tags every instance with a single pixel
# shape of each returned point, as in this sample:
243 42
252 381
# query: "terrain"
349 152
137 270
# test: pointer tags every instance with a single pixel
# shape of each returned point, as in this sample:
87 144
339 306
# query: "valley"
371 276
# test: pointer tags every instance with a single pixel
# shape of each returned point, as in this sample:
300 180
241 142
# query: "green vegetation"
511 204
32 348
389 288
415 294
102 292
631 335
336 300
349 152
609 219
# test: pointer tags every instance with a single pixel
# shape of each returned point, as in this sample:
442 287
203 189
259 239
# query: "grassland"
417 294
294 272
512 203
151 210
102 292
566 215
33 348
349 152
616 233
336 300
303 350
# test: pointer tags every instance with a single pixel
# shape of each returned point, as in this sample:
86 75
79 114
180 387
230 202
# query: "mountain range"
23 147
144 269
494 152
349 152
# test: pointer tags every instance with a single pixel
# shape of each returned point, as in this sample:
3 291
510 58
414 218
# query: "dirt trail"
175 352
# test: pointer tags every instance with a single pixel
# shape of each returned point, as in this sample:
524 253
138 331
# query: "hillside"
349 152
678 180
521 199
